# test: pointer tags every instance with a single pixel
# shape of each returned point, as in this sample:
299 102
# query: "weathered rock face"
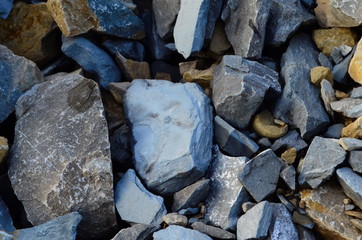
60 160
159 121
282 226
355 69
165 13
179 233
351 183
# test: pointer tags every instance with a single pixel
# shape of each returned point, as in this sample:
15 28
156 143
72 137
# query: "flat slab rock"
60 159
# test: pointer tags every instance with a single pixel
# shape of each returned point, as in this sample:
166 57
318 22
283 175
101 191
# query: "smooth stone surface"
128 48
328 95
288 176
356 92
323 156
6 222
353 130
265 126
319 73
260 175
159 122
5 8
136 232
4 148
355 160
351 183
57 163
165 13
355 68
133 69
212 231
175 219
223 204
350 144
291 140
334 131
282 226
348 107
325 61
179 233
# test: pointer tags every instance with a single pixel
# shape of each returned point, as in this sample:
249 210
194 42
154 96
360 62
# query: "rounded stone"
175 219
317 74
266 125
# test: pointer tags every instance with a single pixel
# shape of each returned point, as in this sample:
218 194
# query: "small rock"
355 161
334 131
357 223
355 69
212 231
264 124
136 232
130 49
189 211
340 71
317 74
4 148
191 73
351 183
175 219
349 207
356 214
291 140
305 233
118 90
179 233
288 176
219 41
303 220
282 226
354 129
264 143
286 202
348 107
165 13
356 92
339 53
133 69
324 61
289 155
247 206
6 222
350 144
5 8
328 95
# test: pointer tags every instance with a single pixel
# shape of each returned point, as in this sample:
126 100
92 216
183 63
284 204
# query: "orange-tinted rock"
354 129
355 66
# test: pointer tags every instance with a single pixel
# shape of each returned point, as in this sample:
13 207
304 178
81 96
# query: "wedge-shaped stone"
351 183
165 13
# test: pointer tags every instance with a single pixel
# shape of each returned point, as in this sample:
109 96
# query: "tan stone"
341 95
317 74
192 73
133 69
265 126
4 148
355 66
327 39
357 223
219 41
28 32
118 90
353 130
290 155
354 214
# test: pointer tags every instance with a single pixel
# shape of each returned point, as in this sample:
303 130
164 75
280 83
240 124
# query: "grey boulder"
137 232
282 226
179 233
351 183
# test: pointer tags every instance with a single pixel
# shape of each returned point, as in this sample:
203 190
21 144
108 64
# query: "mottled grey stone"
324 61
233 142
165 13
348 107
223 204
288 176
179 233
305 233
5 8
282 226
239 87
212 231
291 140
6 222
175 219
60 159
159 122
328 95
340 71
350 144
135 204
245 26
334 131
351 183
137 232
255 222
300 105
355 160
356 92
128 48
323 156
260 175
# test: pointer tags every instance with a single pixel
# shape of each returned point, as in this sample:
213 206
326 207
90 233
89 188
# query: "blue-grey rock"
179 233
226 196
309 4
324 61
264 143
165 13
214 13
351 183
6 222
286 203
5 8
323 156
137 232
340 71
260 175
270 63
305 233
128 48
334 131
288 176
239 87
328 95
356 92
18 75
135 204
355 161
120 145
189 211
159 122
291 140
212 231
282 226
348 107
350 144
339 53
63 227
231 141
300 105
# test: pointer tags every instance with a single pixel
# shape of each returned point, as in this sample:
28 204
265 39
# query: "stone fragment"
189 211
356 214
133 69
165 13
351 183
350 144
317 74
223 204
300 105
6 222
179 233
339 53
175 219
219 41
340 71
245 26
118 90
286 202
325 207
353 130
349 207
215 9
4 148
282 226
159 122
247 206
288 176
303 220
291 140
325 61
191 73
355 68
305 233
356 92
260 175
130 49
239 88
264 125
355 161
5 8
255 222
212 231
191 196
323 156
67 164
137 232
232 141
348 107
289 155
357 223
120 145
328 95
334 131
264 143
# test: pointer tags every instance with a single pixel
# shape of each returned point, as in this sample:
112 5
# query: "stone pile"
183 119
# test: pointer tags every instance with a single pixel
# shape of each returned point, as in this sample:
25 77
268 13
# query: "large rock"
6 222
18 76
323 156
165 13
300 105
136 232
5 8
239 87
351 183
245 26
355 68
159 122
60 160
179 233
282 226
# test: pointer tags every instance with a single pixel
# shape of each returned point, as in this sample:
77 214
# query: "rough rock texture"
328 95
323 156
282 226
223 204
18 76
133 69
159 122
245 26
179 233
300 105
165 13
353 130
288 176
239 87
350 144
348 107
6 223
317 74
136 232
60 160
128 48
5 8
355 66
264 125
291 140
351 183
355 161
212 231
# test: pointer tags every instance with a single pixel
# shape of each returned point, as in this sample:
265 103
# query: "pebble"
175 219
289 155
265 125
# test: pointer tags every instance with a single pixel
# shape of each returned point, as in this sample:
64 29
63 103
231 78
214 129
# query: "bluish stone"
6 223
214 13
179 233
128 48
5 8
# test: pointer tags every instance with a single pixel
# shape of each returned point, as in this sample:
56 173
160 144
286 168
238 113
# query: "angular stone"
323 156
175 219
340 71
300 105
4 148
317 74
5 8
57 163
100 64
334 131
289 155
191 73
265 126
133 69
239 88
355 161
136 232
179 233
219 41
353 130
350 144
328 95
223 204
6 222
291 140
355 68
288 176
128 48
356 92
348 107
159 122
351 183
165 13
232 141
245 26
255 222
120 145
282 226
212 231
339 53
303 220
325 61
190 27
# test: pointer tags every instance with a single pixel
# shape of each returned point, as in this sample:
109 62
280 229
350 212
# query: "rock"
350 144
189 211
355 161
291 140
165 13
285 19
120 145
334 131
65 166
325 206
255 222
164 69
130 49
215 9
357 223
348 107
324 61
223 204
289 155
328 95
179 233
133 69
4 148
356 214
6 222
18 76
304 233
349 207
264 143
334 13
191 196
356 92
351 183
110 17
286 202
190 27
264 125
303 220
260 175
245 26
118 90
28 32
212 231
137 232
339 53
323 156
317 74
219 41
355 69
300 105
175 219
282 226
239 88
340 71
5 8
159 122
191 73
288 176
353 130
100 64
63 227
247 206
232 141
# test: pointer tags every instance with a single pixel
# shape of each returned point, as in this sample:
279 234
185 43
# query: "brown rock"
4 148
118 90
289 155
114 111
197 72
355 66
265 125
175 219
317 74
354 214
341 95
133 69
357 223
353 130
